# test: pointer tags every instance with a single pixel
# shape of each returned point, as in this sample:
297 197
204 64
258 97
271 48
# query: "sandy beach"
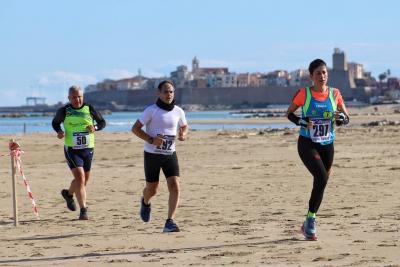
244 197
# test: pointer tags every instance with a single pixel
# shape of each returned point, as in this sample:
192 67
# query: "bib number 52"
166 145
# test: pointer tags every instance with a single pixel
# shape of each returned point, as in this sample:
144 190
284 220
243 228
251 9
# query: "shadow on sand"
160 251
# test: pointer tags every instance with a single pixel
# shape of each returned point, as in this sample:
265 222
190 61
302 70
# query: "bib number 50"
80 140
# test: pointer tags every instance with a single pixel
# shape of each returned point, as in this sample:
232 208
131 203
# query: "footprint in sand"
117 261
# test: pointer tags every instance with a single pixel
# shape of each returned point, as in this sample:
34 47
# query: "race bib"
321 130
167 145
80 140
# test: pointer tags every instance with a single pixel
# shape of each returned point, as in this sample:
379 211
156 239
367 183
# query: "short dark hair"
161 84
315 64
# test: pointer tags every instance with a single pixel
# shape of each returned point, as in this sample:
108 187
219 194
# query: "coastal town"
218 88
354 81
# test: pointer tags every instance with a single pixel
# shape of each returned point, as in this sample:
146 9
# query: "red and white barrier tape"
17 155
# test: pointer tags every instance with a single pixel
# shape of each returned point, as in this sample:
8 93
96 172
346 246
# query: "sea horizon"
123 121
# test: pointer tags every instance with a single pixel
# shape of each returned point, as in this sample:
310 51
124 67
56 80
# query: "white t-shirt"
164 123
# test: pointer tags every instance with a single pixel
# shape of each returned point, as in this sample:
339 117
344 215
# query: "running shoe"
170 226
83 215
309 229
145 211
69 199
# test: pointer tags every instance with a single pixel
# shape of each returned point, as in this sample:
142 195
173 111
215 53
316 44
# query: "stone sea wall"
238 96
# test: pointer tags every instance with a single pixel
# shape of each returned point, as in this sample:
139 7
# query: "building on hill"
299 77
181 77
344 75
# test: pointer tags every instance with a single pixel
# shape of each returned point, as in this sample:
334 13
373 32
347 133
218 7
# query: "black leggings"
318 160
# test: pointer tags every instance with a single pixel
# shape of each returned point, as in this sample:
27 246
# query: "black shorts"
154 162
79 157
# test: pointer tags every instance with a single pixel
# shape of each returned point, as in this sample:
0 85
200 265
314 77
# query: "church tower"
195 64
339 60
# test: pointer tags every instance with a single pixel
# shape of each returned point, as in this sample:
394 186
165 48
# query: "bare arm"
183 131
292 108
137 130
343 109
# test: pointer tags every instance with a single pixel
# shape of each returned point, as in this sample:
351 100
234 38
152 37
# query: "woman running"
322 109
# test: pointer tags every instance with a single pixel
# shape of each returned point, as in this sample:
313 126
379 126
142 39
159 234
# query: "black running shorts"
79 157
154 162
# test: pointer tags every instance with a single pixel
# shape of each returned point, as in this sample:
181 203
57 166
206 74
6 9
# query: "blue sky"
48 45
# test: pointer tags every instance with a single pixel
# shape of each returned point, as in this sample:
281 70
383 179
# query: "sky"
47 45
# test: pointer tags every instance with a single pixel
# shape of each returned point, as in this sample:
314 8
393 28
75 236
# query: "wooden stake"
13 174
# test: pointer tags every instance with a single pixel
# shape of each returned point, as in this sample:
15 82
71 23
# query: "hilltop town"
354 81
218 88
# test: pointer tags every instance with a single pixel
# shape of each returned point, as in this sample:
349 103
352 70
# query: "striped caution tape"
17 155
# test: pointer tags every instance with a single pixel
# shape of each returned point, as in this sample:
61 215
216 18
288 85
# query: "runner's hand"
181 135
310 124
90 128
158 141
60 135
306 122
341 118
337 112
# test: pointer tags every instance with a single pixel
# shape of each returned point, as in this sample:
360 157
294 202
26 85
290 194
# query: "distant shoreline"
254 114
23 109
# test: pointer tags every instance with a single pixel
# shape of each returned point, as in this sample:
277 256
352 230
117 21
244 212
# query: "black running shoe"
145 211
83 215
69 199
171 226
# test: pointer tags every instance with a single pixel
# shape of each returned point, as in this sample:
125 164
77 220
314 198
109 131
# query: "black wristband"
150 140
297 120
293 118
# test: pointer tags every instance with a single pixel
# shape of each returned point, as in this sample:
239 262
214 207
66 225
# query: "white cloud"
12 97
65 78
54 85
152 73
116 74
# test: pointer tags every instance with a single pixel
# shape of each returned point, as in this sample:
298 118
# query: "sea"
123 121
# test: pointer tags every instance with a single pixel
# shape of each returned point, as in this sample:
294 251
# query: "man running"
77 118
322 108
162 120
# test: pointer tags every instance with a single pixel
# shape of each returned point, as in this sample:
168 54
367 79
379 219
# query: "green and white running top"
75 123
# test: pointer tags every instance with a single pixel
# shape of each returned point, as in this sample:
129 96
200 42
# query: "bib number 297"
321 130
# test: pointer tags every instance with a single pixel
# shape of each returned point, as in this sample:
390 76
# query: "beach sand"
244 197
